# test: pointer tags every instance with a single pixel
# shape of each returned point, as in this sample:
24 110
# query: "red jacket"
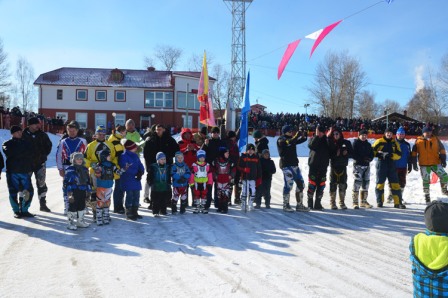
188 147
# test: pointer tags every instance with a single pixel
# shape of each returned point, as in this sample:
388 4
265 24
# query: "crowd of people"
210 169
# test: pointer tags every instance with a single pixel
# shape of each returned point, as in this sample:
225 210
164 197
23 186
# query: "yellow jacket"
391 146
115 140
431 250
92 153
429 151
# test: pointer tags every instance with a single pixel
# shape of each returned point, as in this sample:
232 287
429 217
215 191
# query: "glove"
71 198
409 168
443 163
139 175
415 167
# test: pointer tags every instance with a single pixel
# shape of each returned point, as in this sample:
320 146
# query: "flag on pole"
206 115
286 56
244 125
321 35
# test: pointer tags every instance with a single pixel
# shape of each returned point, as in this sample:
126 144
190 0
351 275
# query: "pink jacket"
201 173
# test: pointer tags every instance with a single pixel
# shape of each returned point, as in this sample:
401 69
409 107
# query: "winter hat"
100 129
104 154
120 128
388 130
265 151
76 155
231 134
401 131
204 130
436 215
33 120
128 144
222 151
250 146
15 128
363 132
73 124
178 153
215 129
427 129
160 155
321 128
257 134
200 153
286 128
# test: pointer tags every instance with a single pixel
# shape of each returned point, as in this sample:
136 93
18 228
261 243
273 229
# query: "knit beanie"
128 144
286 128
401 131
200 153
100 129
76 155
15 128
33 120
436 215
257 134
231 134
363 132
160 155
250 146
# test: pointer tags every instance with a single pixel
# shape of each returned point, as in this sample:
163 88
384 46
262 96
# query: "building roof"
104 77
394 117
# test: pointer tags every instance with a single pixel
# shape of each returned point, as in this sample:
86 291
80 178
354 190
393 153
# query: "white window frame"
124 95
120 119
82 99
82 122
159 99
62 115
97 92
190 121
100 119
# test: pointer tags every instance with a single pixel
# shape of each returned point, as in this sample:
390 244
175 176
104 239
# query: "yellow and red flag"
206 115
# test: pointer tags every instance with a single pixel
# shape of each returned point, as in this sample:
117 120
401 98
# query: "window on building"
62 115
193 103
81 94
100 119
120 95
81 118
59 94
100 95
120 119
190 121
158 99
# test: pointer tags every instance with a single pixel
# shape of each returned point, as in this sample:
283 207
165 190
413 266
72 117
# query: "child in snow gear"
19 162
289 164
181 175
403 166
362 156
250 168
104 173
77 182
318 162
387 150
223 175
267 170
340 152
428 254
115 139
201 181
159 178
130 180
430 153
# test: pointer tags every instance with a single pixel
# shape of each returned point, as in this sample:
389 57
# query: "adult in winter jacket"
67 146
19 165
261 142
403 166
362 156
41 149
429 254
387 150
116 138
160 142
318 161
188 146
289 164
340 152
431 156
211 149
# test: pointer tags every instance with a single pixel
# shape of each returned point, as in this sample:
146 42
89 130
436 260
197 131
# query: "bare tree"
195 62
148 61
25 79
417 106
338 80
4 73
443 77
167 55
365 106
391 106
220 88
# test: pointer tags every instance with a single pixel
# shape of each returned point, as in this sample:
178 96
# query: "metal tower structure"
238 73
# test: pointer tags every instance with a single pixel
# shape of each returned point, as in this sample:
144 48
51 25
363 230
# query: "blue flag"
244 134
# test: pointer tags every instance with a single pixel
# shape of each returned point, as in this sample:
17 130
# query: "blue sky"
391 41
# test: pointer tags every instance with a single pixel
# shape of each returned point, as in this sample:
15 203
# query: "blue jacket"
73 178
128 178
406 160
181 174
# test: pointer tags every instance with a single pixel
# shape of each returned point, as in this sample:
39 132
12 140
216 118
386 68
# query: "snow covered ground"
264 253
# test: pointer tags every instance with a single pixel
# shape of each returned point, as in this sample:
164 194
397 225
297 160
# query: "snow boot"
400 206
130 214
43 205
317 205
250 205
196 206
310 201
99 216
72 216
342 200
135 211
183 206
355 199
364 203
443 186
286 206
237 200
81 223
333 201
173 206
299 200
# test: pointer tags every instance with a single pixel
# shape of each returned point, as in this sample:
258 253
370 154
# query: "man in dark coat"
261 142
318 161
41 149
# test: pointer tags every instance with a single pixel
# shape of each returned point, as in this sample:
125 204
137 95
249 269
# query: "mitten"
415 166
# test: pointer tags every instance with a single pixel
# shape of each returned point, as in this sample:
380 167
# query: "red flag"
206 115
323 34
286 56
